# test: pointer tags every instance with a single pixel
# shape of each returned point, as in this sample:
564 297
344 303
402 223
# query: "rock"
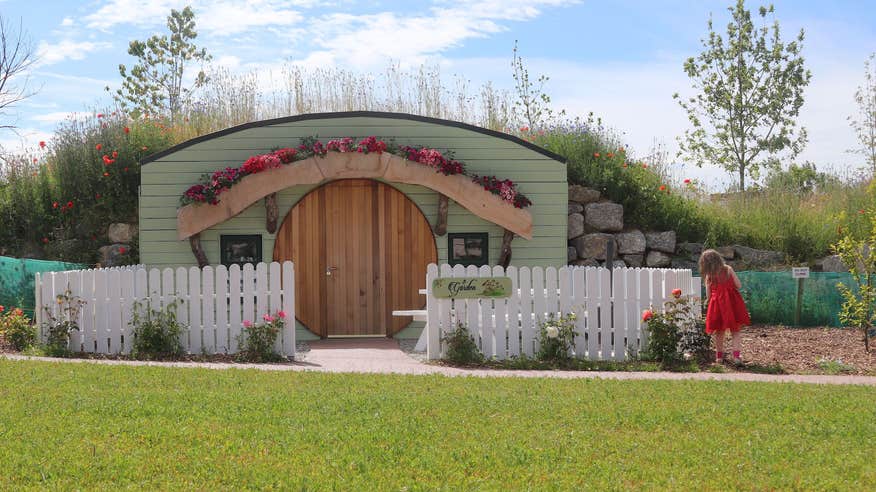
691 249
572 254
589 262
114 255
634 261
685 263
592 245
121 233
658 259
630 243
576 225
604 216
832 263
618 264
759 257
726 252
575 208
661 241
582 194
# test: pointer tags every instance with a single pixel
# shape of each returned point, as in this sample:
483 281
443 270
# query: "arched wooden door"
360 249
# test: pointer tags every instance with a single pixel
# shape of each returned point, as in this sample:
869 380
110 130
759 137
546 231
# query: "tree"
533 104
750 90
865 127
16 58
155 83
803 178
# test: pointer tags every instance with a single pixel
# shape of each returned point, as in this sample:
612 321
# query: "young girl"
726 309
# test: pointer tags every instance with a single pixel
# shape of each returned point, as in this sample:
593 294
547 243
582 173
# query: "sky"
621 59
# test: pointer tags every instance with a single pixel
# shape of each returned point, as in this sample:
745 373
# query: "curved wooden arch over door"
194 218
360 249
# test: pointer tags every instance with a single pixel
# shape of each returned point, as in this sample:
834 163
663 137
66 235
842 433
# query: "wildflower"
34 160
98 147
609 155
625 164
247 324
115 154
18 312
268 318
107 161
100 115
676 293
45 240
596 155
662 188
2 308
144 148
524 129
69 204
122 250
552 331
105 175
647 314
281 314
125 169
644 166
54 204
687 181
621 150
42 144
97 196
127 130
862 211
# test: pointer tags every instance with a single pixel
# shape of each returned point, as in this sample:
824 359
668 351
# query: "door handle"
328 271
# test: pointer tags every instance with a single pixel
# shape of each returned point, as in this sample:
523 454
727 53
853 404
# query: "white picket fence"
608 305
214 303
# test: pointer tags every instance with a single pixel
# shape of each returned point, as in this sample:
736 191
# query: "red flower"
644 166
115 154
34 160
127 130
98 147
69 204
105 175
676 293
862 211
100 115
125 169
687 181
609 155
42 144
54 204
2 309
122 250
524 129
647 314
596 155
107 161
144 148
662 188
45 240
17 312
625 164
97 196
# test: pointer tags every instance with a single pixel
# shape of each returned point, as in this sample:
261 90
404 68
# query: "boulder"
759 257
121 233
684 262
689 249
592 245
575 208
589 262
658 259
634 261
576 226
114 255
582 194
630 243
726 252
661 241
604 216
572 254
832 263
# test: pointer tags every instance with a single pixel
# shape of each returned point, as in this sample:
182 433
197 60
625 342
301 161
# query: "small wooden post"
198 250
799 307
443 205
505 251
272 213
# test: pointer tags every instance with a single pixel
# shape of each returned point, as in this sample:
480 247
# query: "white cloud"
58 116
67 22
48 53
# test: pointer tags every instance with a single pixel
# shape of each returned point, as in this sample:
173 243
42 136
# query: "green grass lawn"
89 426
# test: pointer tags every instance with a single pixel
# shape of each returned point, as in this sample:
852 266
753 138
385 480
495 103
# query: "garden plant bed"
807 350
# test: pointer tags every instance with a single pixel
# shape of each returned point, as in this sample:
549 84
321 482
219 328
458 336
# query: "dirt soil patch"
808 350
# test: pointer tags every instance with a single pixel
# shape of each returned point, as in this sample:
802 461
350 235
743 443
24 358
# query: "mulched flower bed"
808 350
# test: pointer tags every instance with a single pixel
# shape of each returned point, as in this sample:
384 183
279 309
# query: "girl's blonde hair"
711 264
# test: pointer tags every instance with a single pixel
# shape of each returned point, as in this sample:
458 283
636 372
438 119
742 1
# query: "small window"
468 248
241 249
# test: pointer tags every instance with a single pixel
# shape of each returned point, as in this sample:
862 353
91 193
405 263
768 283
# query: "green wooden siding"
541 178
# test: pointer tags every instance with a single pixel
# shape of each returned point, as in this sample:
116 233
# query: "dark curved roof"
352 114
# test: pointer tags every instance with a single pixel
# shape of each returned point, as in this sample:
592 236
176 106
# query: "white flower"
552 331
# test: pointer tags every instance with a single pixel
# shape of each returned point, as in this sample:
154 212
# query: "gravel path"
383 356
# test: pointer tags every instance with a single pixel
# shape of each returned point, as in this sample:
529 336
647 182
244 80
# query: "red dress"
726 309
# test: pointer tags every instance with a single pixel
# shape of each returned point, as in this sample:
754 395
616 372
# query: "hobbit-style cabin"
361 202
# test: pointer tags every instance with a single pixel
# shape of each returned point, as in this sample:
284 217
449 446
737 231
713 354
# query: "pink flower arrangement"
247 324
268 318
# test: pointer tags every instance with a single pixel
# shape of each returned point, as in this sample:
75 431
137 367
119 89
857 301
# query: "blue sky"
621 59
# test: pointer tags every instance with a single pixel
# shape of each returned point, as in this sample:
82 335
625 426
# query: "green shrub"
461 347
677 333
156 331
59 328
257 341
17 329
556 338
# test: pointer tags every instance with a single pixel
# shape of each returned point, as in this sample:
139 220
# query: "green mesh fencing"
17 277
771 297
